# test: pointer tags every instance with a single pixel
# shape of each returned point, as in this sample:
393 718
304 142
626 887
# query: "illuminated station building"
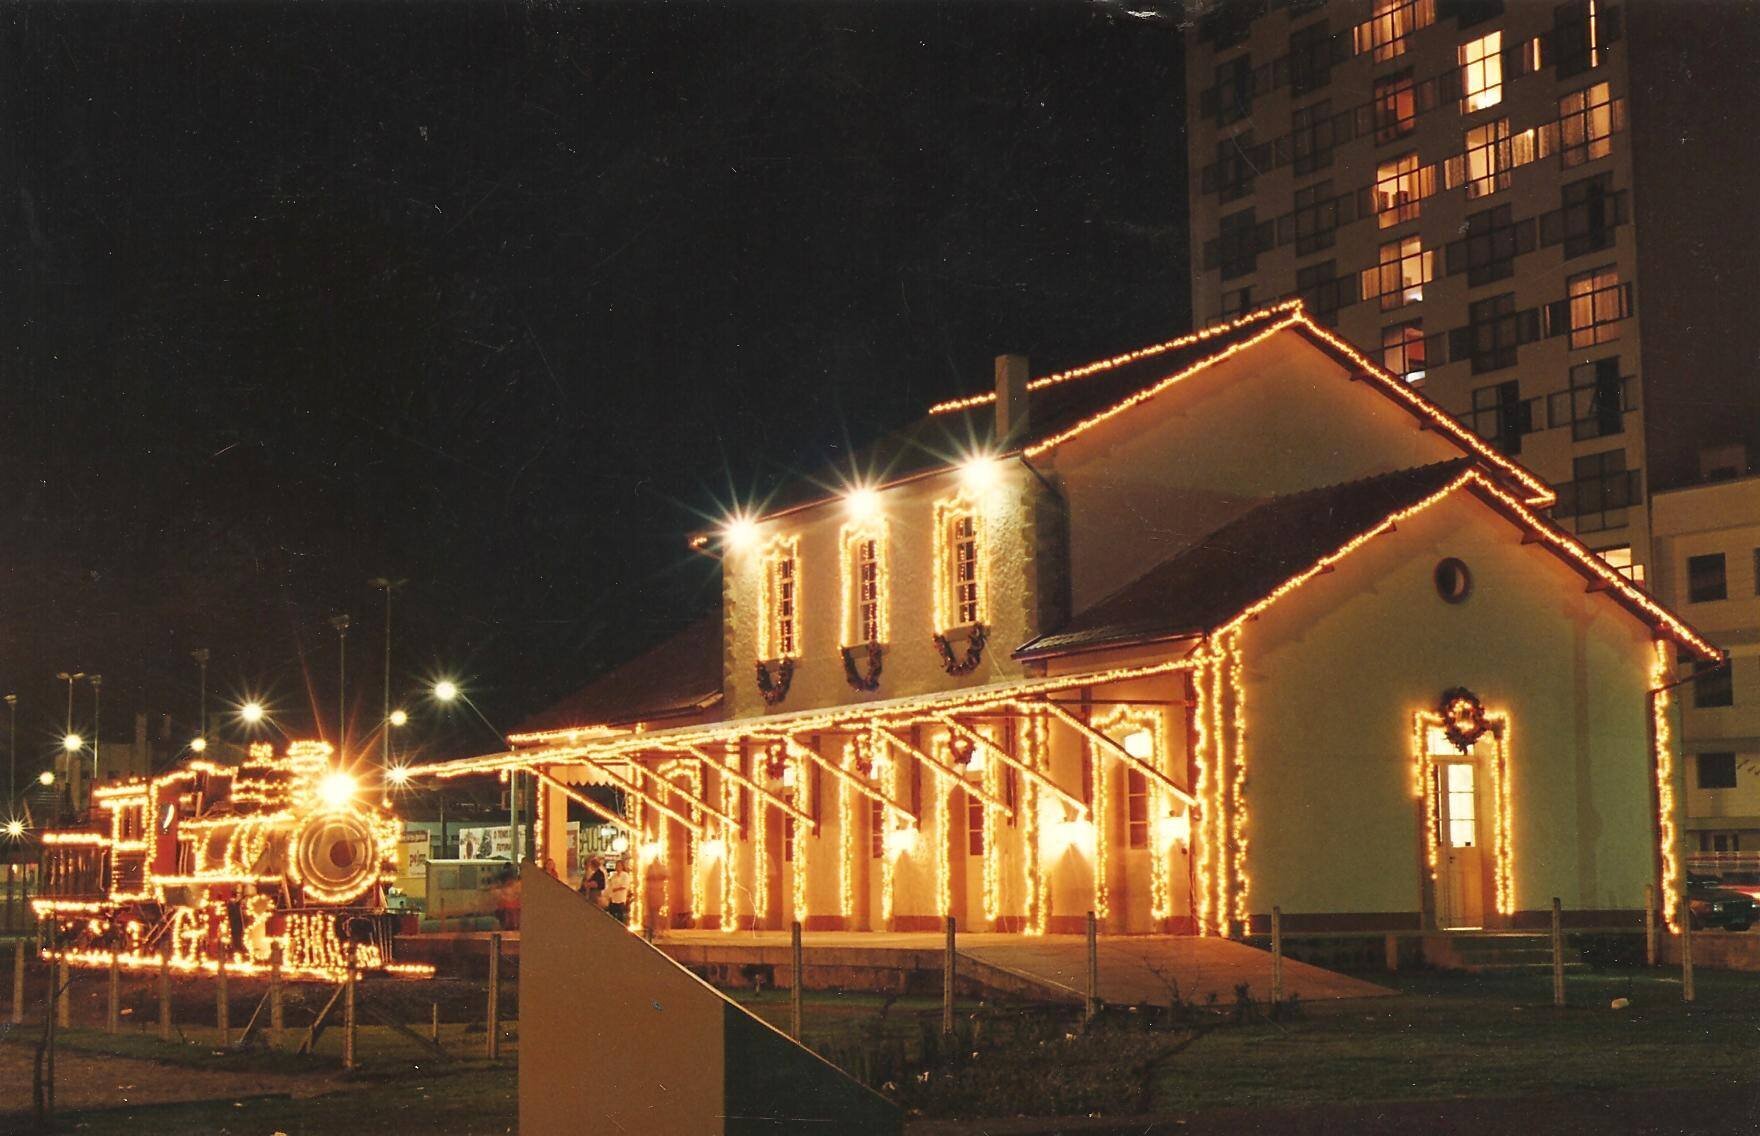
1231 621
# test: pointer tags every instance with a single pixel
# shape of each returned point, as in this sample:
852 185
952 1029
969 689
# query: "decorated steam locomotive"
211 865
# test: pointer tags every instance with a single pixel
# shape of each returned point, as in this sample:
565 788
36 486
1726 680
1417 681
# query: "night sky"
505 298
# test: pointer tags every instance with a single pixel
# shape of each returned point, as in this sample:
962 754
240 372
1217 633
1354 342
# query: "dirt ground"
85 1081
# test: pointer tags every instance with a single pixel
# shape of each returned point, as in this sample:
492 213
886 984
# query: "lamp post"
201 655
340 622
12 753
385 723
97 681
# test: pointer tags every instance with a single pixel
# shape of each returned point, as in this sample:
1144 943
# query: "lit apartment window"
1619 558
1395 106
1585 125
1399 279
1597 305
778 625
1390 22
1402 350
1481 72
1487 154
1397 190
1706 578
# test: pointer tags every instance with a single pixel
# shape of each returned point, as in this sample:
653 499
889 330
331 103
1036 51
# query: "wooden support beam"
849 778
945 772
1010 760
1107 745
696 802
637 791
730 770
609 815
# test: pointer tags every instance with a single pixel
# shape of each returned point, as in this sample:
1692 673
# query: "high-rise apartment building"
1541 213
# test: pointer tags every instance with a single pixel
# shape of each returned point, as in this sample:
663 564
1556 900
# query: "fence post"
947 975
63 993
1649 924
277 1014
794 991
165 992
1091 1004
1686 913
18 982
1276 957
348 1020
222 1015
1557 953
113 1016
493 1045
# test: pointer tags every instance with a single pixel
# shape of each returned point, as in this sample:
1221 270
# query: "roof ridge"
1213 331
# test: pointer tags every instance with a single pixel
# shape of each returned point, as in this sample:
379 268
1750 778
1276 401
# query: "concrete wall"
1276 418
1336 670
615 1036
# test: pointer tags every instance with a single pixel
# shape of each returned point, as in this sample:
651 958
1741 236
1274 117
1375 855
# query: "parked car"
1712 905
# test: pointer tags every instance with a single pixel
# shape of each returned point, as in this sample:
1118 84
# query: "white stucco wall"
1276 418
912 664
1335 671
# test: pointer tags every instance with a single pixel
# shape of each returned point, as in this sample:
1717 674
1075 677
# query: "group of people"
608 890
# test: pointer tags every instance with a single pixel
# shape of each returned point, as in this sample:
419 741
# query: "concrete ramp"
616 1037
1154 969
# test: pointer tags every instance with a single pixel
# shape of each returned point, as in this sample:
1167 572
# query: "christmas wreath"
1463 717
868 679
962 663
775 688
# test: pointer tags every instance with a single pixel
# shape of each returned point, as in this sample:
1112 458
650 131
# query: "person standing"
593 882
617 888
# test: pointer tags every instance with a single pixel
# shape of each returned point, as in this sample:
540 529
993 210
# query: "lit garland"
1204 867
1237 803
1216 809
1037 909
1662 739
944 832
1098 787
992 777
779 633
798 878
730 859
853 760
1258 316
1119 723
760 860
1426 782
691 771
885 771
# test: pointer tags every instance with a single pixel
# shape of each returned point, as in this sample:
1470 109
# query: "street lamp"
72 742
201 656
446 690
46 778
340 622
390 586
398 718
251 713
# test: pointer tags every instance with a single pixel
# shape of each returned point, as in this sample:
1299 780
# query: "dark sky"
504 298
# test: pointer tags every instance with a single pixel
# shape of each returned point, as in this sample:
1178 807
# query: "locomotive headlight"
336 789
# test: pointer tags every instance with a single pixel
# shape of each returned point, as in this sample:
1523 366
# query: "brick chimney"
1011 399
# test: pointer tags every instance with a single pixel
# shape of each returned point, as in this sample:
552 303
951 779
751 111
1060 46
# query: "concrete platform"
1139 970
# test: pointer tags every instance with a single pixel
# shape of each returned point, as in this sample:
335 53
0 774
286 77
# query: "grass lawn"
1451 1036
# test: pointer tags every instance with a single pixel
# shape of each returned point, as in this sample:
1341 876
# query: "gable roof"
1069 402
679 676
1242 568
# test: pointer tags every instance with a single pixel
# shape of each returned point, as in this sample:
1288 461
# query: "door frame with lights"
1461 732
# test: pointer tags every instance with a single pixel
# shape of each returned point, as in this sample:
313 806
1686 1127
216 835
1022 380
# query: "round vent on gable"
1454 581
